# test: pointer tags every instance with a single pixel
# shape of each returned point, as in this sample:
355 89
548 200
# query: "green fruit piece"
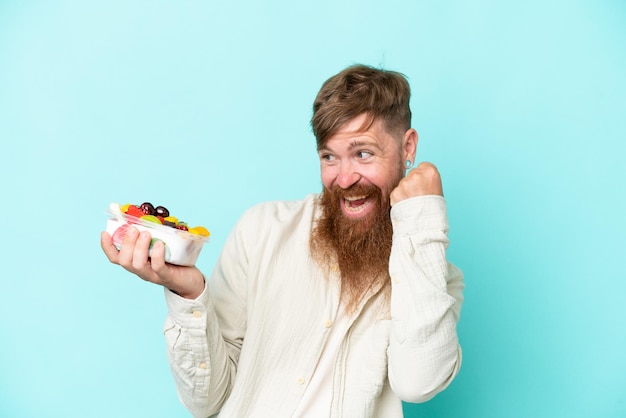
151 218
155 240
167 249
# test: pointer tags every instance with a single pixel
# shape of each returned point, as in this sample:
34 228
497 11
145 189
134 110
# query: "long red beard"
361 247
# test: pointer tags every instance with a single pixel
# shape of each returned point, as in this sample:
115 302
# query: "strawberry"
135 211
119 234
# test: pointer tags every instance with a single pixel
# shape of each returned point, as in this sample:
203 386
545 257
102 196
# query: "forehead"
359 131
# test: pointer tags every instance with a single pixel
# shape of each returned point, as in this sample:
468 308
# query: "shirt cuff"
186 312
420 213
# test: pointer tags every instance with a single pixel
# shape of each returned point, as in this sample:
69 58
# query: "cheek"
377 176
388 178
328 176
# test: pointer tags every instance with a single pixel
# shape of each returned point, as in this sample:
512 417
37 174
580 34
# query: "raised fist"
421 181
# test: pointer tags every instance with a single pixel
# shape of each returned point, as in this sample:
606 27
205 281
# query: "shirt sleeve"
426 298
204 336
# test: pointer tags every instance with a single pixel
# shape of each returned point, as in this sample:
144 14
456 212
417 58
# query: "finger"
426 165
141 251
127 248
106 242
393 199
157 258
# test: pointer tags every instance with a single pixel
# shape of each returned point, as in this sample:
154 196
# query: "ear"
409 145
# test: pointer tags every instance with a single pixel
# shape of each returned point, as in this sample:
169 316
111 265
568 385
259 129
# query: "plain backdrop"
204 107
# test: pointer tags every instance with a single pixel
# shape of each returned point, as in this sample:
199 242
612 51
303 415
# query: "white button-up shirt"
249 344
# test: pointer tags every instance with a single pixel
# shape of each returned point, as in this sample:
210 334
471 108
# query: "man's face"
359 171
361 167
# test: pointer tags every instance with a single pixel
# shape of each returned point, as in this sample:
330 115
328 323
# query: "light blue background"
203 106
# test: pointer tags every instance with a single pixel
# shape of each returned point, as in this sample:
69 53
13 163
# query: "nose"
348 175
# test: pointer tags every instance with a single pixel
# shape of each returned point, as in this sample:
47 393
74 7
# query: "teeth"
352 199
351 209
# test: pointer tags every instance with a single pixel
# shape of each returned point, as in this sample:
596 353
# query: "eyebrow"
354 144
359 143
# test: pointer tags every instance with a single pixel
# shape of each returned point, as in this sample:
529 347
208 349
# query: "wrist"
193 289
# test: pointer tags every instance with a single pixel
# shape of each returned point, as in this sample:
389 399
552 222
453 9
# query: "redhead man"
342 304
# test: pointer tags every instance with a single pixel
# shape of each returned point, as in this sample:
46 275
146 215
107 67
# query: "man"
338 305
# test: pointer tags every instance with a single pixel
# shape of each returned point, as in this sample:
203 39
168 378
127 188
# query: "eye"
363 155
327 157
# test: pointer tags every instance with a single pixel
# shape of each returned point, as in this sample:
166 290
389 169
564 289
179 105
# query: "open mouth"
356 205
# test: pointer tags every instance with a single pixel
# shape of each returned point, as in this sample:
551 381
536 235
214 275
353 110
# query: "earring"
408 164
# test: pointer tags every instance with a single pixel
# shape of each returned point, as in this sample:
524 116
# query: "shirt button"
197 314
300 380
328 323
395 279
334 267
202 365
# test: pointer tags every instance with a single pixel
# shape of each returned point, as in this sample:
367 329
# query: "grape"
147 208
161 211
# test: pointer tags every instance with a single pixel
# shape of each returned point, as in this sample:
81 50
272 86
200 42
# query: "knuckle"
411 175
128 266
137 264
429 170
158 267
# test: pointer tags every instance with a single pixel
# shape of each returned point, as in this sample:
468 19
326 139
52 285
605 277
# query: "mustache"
357 189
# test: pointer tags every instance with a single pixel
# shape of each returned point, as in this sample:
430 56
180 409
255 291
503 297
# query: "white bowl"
181 247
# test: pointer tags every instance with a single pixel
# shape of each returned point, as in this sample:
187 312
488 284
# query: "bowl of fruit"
183 242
